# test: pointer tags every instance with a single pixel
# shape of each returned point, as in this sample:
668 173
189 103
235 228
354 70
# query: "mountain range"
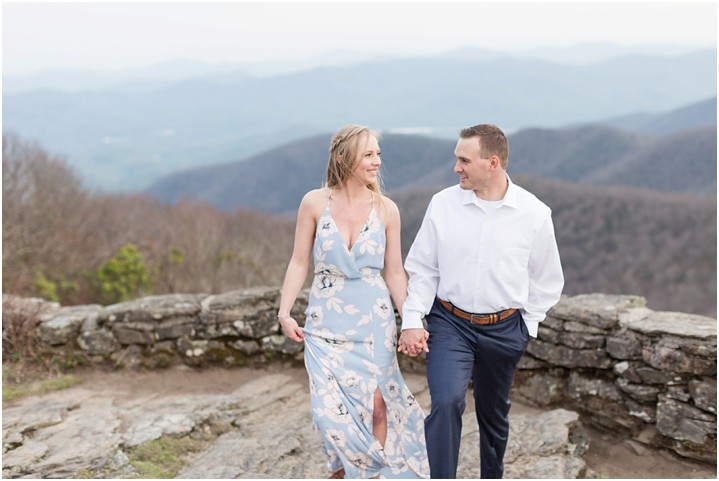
163 74
634 212
126 140
699 114
275 180
634 207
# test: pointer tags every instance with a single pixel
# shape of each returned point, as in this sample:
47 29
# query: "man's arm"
422 267
545 276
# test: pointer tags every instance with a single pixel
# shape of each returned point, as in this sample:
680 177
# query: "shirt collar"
510 197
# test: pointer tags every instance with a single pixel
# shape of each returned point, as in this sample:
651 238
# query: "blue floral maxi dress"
350 352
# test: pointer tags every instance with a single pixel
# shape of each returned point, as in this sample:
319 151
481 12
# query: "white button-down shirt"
484 257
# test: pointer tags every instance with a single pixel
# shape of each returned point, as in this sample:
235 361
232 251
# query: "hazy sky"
99 35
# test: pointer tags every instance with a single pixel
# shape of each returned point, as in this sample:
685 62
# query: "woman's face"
368 162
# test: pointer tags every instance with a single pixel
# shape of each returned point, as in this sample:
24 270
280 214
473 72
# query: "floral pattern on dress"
314 315
327 282
350 353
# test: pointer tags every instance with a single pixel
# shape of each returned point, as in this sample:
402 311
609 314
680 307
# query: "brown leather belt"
481 319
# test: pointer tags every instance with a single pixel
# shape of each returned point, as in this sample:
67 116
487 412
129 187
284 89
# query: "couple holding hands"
483 271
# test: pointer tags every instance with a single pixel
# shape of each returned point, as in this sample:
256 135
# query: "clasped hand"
413 341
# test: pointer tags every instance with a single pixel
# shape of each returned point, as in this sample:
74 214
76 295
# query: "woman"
369 421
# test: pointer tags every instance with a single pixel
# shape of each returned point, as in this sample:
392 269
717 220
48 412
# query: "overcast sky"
98 35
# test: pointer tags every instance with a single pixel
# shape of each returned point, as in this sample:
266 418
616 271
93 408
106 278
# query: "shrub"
45 287
125 276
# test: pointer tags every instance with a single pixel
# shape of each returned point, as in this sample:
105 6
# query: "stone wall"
236 328
620 365
625 367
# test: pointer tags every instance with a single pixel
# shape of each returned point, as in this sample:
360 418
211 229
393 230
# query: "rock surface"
260 429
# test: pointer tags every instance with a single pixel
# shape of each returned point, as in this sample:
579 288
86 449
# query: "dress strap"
329 199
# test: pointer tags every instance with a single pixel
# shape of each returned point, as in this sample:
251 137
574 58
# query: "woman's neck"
353 191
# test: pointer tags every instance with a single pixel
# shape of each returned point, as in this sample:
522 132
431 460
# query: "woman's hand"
292 329
412 342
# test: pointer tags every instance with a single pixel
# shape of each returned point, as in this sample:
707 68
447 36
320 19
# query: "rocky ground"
251 423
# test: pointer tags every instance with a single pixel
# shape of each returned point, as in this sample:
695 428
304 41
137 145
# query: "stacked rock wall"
622 366
628 368
236 328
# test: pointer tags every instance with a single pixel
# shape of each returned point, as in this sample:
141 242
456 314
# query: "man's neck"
495 190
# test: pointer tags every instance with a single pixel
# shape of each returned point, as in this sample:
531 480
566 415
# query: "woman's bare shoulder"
389 203
388 210
317 195
316 200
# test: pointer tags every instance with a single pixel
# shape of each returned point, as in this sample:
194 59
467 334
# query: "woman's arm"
298 266
394 273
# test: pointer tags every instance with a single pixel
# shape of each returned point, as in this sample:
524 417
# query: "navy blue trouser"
489 354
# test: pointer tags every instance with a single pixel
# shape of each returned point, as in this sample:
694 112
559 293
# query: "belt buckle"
478 318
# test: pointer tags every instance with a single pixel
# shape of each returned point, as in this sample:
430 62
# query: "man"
484 269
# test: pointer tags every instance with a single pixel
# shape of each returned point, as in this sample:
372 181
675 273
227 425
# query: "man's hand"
413 341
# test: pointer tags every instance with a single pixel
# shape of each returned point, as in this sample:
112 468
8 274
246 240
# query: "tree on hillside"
44 212
61 242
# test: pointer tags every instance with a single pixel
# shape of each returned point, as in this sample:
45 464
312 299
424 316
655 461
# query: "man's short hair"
492 141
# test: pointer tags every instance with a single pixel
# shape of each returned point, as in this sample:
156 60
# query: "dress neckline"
362 230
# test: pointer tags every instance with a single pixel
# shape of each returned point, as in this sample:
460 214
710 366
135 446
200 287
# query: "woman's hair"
345 150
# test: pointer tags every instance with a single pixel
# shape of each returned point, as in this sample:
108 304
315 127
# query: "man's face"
473 170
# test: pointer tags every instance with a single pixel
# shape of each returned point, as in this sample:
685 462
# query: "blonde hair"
344 155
